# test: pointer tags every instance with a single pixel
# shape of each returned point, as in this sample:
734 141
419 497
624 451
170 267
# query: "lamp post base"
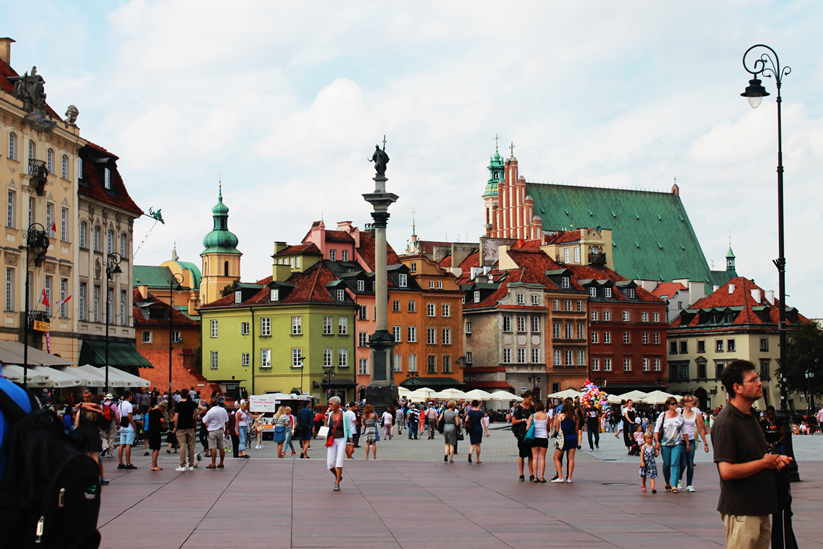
381 397
788 449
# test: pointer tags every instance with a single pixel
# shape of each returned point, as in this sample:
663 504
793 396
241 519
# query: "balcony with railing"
597 258
39 173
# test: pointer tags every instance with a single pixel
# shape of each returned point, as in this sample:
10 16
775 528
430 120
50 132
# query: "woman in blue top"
475 418
567 423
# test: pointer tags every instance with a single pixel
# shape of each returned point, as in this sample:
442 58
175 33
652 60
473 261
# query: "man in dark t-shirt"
521 415
748 486
185 414
773 431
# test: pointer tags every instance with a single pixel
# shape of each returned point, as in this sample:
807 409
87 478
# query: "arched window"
110 242
64 167
225 268
123 244
13 146
50 160
84 229
32 150
96 238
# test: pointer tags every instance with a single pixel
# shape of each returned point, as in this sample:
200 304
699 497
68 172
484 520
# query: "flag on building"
44 299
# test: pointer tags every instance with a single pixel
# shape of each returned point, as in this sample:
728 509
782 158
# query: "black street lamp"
414 377
599 382
535 381
112 268
809 394
328 376
37 241
768 65
174 286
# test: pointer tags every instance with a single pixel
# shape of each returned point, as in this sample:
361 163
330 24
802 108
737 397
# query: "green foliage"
229 288
804 352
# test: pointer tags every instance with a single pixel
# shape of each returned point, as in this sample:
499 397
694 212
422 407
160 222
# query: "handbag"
530 432
559 439
323 432
441 424
330 437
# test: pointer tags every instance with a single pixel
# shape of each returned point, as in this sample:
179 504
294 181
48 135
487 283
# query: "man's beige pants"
747 532
186 439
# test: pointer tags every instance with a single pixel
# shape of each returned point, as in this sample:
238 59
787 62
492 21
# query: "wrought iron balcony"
39 174
597 258
37 316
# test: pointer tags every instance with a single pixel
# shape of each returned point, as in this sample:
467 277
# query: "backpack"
50 494
107 412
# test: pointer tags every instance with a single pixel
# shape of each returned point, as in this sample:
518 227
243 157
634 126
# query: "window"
645 338
430 309
630 293
684 347
765 372
413 266
64 293
9 289
361 286
440 287
96 238
507 324
146 337
431 284
341 295
50 160
569 358
564 282
580 331
656 338
595 337
468 328
535 355
110 241
607 365
413 306
84 230
558 358
80 168
107 178
718 369
447 364
468 358
644 317
626 316
579 306
402 280
447 336
296 325
396 333
577 254
265 358
476 296
581 358
730 346
395 306
238 296
656 364
431 336
64 167
764 344
595 316
521 324
245 359
342 326
49 218
213 328
627 365
432 364
568 304
521 355
567 255
244 328
332 255
97 303
593 292
535 324
556 330
701 346
535 300
64 225
296 358
214 360
363 367
411 332
10 209
656 317
13 146
81 300
412 363
124 245
445 309
398 363
607 316
507 356
646 365
607 292
568 331
327 357
556 305
521 299
607 337
595 365
345 255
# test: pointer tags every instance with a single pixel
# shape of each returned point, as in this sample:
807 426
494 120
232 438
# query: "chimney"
5 50
769 294
279 247
756 295
143 292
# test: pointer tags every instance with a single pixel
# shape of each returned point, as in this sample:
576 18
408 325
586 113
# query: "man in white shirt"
217 423
351 417
127 431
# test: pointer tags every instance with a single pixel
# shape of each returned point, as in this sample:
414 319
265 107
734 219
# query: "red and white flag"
44 299
53 227
63 301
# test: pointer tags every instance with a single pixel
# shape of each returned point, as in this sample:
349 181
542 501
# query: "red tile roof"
366 250
5 72
446 262
93 187
527 245
339 236
563 236
178 318
666 290
300 249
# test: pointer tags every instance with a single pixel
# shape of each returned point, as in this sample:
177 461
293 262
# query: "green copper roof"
652 237
151 276
220 239
730 253
495 174
195 272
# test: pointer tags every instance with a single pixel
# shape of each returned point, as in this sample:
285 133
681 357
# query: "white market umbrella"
635 396
566 393
656 397
35 379
614 399
505 396
421 394
402 391
450 394
59 379
478 394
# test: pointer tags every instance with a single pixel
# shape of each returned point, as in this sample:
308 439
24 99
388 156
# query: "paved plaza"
410 499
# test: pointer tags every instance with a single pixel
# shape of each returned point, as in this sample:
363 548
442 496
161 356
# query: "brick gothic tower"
509 210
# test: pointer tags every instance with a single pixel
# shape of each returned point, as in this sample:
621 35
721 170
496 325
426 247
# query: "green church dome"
220 239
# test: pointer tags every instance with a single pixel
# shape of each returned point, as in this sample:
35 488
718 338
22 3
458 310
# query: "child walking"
648 466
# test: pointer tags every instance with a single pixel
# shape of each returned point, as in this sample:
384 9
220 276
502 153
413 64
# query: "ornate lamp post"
112 268
38 242
768 65
174 285
810 399
328 375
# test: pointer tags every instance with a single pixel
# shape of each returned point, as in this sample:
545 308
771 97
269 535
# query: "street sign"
524 388
263 403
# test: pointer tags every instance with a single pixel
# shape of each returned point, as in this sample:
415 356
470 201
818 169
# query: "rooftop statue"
30 89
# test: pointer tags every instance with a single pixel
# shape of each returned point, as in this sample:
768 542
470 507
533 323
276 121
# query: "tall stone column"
381 391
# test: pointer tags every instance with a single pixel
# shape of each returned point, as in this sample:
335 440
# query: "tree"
804 352
229 288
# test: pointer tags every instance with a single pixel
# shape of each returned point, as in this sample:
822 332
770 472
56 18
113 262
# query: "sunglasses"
672 403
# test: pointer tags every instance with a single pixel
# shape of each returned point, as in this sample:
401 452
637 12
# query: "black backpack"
50 495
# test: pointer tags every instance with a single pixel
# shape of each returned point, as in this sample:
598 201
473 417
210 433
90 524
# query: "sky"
284 102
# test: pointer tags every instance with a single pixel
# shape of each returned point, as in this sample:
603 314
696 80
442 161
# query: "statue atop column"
380 159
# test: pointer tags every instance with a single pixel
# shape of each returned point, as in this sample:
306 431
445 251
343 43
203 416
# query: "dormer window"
476 296
630 293
593 292
608 292
107 178
341 295
361 286
403 280
238 296
274 295
521 299
564 282
297 262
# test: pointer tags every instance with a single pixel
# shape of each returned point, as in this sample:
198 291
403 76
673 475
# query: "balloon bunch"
594 398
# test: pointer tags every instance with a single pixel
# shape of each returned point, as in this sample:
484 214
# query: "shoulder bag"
559 439
530 432
330 436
